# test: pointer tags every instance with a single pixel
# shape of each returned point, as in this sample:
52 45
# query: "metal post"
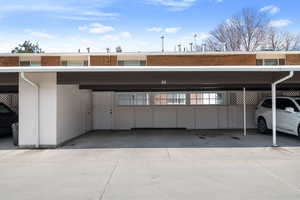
245 112
274 115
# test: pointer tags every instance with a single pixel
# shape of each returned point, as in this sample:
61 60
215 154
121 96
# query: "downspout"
35 85
274 109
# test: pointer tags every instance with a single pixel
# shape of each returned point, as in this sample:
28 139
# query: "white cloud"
78 18
280 23
271 9
90 16
99 14
117 37
39 34
61 9
174 5
32 7
96 28
155 29
165 30
172 29
110 37
125 34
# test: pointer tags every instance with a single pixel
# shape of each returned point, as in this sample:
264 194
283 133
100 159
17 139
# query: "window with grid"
207 98
133 99
132 63
30 63
170 99
74 63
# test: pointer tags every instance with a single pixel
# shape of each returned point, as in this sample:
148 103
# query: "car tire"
262 126
299 131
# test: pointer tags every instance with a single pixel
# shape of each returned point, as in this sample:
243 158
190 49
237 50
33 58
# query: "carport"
48 95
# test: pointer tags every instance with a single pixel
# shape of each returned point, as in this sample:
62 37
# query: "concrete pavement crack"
108 180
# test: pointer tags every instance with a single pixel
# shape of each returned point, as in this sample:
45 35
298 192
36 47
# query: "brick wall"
104 60
9 61
293 59
50 61
201 60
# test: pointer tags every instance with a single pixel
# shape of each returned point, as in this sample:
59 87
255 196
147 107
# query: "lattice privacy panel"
289 93
11 100
254 97
237 98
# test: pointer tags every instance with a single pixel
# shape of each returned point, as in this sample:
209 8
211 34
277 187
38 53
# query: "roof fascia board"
152 69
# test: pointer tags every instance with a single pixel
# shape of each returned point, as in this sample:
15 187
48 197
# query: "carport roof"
152 69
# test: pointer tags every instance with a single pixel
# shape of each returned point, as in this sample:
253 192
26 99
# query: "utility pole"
162 43
195 41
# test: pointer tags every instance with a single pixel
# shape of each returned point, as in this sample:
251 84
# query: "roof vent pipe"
162 43
191 46
203 47
179 47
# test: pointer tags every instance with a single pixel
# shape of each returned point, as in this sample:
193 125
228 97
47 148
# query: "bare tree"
225 34
282 41
274 40
291 42
244 31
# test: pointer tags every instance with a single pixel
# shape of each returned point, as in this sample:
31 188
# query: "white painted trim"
152 69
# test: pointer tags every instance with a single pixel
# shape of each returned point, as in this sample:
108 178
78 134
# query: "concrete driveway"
155 164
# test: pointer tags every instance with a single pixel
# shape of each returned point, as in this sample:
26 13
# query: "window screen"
259 62
74 63
24 63
271 62
207 98
170 99
127 99
132 63
281 61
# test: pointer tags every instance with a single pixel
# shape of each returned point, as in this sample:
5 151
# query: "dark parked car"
7 118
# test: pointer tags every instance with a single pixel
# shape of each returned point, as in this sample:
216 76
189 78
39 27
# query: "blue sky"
136 25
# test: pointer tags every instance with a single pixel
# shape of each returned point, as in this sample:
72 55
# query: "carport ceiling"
140 81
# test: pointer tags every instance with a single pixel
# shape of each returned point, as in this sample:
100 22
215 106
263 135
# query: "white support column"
274 110
43 116
245 112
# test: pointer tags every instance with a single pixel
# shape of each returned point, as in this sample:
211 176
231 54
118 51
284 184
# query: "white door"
103 112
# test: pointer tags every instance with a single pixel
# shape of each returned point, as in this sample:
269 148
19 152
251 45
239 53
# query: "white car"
288 115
